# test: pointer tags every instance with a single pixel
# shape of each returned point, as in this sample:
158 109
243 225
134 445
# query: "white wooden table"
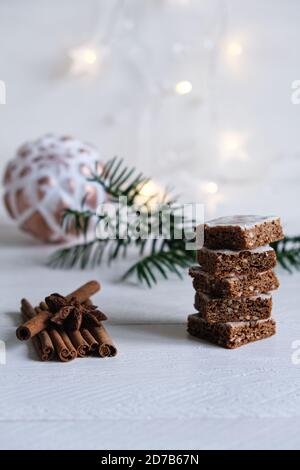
164 390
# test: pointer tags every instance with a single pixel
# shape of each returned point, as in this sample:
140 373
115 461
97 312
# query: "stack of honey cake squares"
234 279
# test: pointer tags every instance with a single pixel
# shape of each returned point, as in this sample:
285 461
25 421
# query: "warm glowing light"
213 203
90 56
184 87
82 60
150 193
231 142
234 49
232 146
211 195
210 187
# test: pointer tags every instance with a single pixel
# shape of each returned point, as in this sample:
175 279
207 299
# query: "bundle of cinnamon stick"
55 336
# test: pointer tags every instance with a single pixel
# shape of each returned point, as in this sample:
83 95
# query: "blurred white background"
197 93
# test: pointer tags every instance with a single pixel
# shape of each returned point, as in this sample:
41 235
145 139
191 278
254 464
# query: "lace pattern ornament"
47 176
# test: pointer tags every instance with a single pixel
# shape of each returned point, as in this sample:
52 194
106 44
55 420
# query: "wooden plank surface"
163 390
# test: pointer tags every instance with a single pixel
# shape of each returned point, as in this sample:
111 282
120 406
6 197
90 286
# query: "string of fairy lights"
86 59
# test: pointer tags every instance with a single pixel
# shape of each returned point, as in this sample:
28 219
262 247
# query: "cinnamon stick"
42 343
64 348
39 322
47 340
64 352
61 349
89 338
44 353
106 346
84 292
68 343
33 326
38 348
81 346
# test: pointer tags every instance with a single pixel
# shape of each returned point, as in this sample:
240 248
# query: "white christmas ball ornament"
47 176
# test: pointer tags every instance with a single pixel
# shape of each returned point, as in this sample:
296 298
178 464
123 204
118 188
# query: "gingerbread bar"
230 335
233 286
242 232
225 262
223 310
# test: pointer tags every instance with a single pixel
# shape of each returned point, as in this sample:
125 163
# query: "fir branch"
81 255
288 253
158 257
118 180
78 221
161 263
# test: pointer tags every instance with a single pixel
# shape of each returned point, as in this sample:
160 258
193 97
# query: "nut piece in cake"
231 335
241 232
225 262
233 286
224 310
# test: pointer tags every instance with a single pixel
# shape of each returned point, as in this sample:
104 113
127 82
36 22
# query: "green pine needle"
81 255
158 258
160 264
118 180
288 253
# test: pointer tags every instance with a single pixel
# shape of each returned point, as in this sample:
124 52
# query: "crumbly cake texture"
223 262
230 335
242 232
215 310
233 286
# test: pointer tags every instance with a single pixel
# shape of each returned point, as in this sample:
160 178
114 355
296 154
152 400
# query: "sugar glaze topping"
207 297
259 249
198 270
242 221
197 316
